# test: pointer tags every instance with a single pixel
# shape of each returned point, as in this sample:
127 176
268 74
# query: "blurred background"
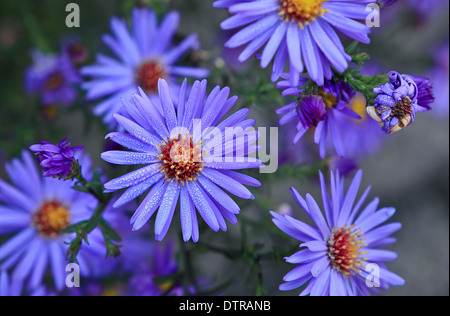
410 171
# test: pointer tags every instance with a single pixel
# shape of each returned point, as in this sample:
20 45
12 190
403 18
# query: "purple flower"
362 137
396 103
426 9
339 252
439 75
33 211
145 55
56 160
162 264
317 111
54 78
302 33
185 158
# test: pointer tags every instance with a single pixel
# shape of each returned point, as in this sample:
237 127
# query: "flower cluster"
185 149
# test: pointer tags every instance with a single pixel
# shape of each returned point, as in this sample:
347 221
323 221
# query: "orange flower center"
181 159
148 75
302 11
344 250
51 218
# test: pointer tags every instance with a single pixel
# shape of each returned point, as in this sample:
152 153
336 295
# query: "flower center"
55 81
402 109
181 158
302 11
148 75
344 250
329 99
51 218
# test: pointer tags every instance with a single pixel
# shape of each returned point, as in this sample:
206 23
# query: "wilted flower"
396 103
57 160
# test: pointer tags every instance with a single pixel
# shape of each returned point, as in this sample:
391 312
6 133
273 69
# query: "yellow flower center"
302 11
344 250
358 105
51 218
329 99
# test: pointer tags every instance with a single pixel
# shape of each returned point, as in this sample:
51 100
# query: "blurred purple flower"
161 265
439 75
145 55
53 77
33 211
362 137
56 160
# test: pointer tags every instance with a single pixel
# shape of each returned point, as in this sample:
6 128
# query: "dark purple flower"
396 103
317 111
56 160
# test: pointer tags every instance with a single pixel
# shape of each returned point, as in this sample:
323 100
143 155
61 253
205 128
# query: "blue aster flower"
317 111
144 55
185 158
397 101
34 210
53 77
301 33
337 252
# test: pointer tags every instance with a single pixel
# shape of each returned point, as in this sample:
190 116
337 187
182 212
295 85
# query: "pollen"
148 75
358 105
51 218
329 99
301 11
181 159
344 250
